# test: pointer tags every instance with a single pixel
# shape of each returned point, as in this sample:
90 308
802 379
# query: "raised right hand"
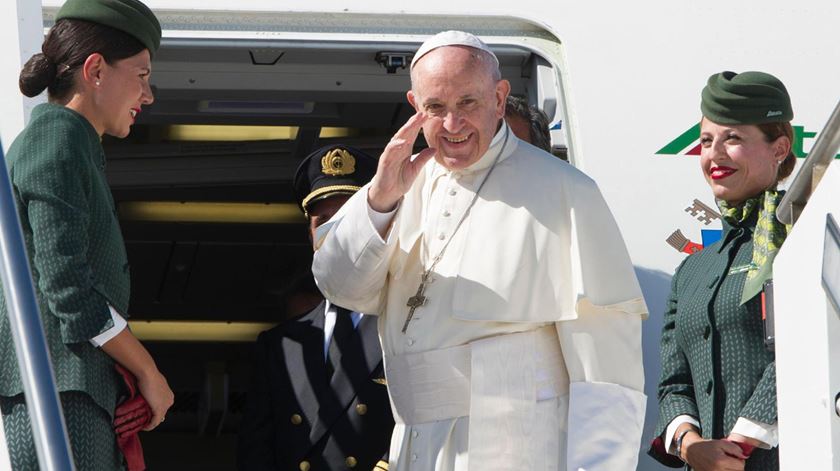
396 171
714 455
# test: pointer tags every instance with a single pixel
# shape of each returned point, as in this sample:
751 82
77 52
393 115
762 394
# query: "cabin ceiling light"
331 132
209 132
243 213
198 331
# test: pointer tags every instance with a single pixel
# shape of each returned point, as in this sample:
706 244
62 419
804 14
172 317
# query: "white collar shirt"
330 311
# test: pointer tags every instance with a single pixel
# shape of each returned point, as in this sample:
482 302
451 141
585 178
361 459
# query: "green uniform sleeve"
53 183
761 406
676 388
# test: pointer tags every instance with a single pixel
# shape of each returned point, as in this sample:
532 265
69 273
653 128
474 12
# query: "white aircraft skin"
631 75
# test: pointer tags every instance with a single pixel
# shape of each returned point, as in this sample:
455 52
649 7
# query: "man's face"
463 101
321 212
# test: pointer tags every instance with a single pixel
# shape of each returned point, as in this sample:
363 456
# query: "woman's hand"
154 388
712 455
396 171
126 350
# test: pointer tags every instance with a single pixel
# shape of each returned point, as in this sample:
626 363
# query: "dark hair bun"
37 74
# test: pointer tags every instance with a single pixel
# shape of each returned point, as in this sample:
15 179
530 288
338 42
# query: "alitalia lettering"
687 142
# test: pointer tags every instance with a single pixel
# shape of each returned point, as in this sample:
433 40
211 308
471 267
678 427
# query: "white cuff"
605 426
670 446
381 221
765 433
119 325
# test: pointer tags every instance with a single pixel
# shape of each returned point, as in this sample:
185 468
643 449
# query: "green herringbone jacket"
75 248
715 366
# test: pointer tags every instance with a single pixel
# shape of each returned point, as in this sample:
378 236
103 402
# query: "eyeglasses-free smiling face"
456 88
123 89
737 160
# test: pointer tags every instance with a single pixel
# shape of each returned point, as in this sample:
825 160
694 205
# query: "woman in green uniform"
717 390
95 64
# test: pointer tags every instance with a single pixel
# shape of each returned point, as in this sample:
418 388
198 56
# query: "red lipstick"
720 172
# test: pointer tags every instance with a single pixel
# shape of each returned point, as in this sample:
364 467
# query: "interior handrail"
48 427
813 168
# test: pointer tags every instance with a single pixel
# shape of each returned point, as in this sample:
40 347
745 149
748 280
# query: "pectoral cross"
416 301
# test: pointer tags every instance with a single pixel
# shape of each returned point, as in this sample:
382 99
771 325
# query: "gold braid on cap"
346 189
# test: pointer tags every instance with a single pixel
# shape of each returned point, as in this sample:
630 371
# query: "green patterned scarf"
768 237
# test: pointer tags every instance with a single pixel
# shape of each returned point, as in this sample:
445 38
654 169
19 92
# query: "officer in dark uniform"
318 399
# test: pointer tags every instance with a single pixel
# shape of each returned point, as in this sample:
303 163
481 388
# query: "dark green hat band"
745 98
128 16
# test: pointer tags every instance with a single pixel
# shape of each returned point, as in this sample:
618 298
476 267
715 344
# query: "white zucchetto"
451 38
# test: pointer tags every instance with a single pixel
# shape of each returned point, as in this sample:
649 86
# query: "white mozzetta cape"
539 246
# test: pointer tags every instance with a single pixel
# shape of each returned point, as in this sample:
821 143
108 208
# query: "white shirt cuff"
670 444
381 221
768 434
119 325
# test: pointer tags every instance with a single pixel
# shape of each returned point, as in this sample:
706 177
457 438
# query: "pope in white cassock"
509 312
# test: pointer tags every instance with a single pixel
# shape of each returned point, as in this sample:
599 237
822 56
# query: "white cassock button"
452 192
410 342
446 214
442 236
413 457
414 434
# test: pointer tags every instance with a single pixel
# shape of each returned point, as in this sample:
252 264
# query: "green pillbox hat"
129 16
746 98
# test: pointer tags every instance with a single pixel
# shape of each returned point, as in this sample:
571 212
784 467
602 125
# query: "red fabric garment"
658 452
130 417
746 448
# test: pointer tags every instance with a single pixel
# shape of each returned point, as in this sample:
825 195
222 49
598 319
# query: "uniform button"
304 466
361 409
351 462
707 332
452 192
414 433
296 419
446 214
709 386
414 457
442 236
410 342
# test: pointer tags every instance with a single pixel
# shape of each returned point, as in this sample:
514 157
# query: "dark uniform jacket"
298 417
715 366
75 248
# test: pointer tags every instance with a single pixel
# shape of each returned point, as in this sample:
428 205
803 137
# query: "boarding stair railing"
813 168
48 427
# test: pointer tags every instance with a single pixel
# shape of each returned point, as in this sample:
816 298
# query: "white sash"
495 381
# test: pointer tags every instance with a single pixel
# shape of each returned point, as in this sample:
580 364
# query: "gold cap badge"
338 162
